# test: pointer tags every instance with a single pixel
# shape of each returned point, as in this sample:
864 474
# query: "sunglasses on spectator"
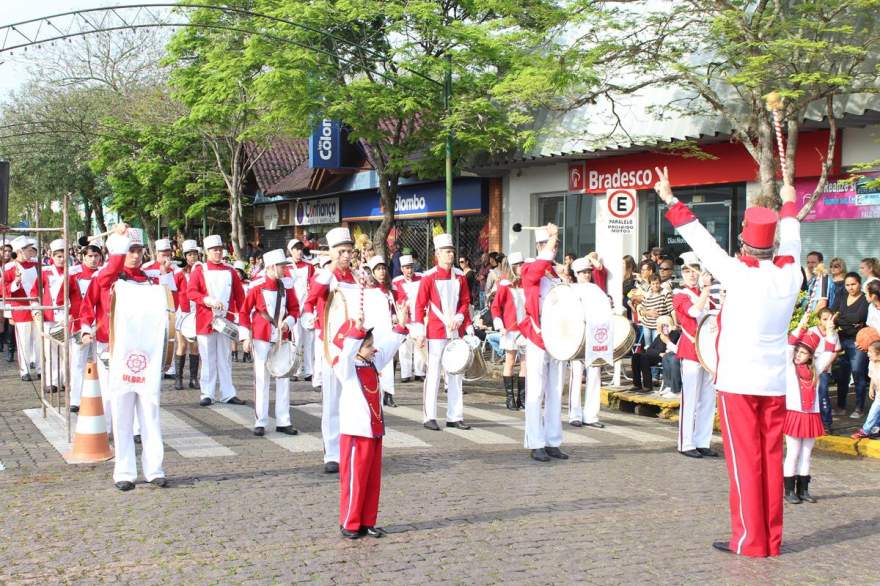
665 268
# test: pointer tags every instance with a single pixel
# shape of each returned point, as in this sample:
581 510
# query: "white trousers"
318 357
54 363
126 407
697 410
454 397
544 380
104 384
386 378
798 452
411 358
305 339
27 343
330 391
262 384
589 413
79 356
216 352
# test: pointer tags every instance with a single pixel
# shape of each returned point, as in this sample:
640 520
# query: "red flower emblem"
601 335
136 361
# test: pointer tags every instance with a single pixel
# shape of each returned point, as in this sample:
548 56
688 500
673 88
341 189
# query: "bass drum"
457 356
563 323
624 336
186 325
706 342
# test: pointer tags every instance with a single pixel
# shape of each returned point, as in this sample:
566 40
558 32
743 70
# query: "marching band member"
321 263
152 270
337 276
20 277
444 297
271 304
379 316
406 288
183 346
53 294
544 373
92 258
508 310
697 411
240 266
216 290
752 359
126 248
301 272
597 308
362 423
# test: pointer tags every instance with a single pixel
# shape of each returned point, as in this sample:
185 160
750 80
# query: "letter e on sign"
621 202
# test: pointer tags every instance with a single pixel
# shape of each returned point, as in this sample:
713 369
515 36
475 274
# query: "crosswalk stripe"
476 435
632 434
52 427
2 467
244 416
393 438
568 437
187 441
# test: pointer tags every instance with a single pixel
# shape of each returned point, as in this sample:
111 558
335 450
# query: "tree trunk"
87 212
766 168
388 185
826 164
98 208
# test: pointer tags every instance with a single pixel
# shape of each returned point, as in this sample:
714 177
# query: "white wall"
519 186
860 145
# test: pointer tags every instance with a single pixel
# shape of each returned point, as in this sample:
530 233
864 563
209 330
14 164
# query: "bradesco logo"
325 140
597 181
413 203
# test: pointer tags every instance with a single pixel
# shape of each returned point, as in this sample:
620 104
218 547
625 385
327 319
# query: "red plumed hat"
759 227
810 341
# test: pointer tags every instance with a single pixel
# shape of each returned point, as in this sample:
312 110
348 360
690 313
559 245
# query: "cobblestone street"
463 507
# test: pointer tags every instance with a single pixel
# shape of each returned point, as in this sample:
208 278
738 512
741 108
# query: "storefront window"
576 214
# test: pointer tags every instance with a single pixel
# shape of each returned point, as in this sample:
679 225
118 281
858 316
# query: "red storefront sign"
731 164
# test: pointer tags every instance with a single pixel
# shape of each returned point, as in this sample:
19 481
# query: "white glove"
308 321
457 320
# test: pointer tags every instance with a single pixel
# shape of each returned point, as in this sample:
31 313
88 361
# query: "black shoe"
432 425
708 452
74 408
331 467
166 376
206 401
419 379
458 424
349 534
246 357
194 384
160 481
692 454
137 439
286 430
388 401
307 379
235 401
791 495
596 424
178 383
235 356
576 423
259 431
722 546
124 485
406 380
376 532
27 377
803 488
52 389
556 453
540 455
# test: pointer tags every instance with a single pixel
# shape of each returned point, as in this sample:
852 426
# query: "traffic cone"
90 441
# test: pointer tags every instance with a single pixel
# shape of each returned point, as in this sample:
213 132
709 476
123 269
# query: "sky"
14 73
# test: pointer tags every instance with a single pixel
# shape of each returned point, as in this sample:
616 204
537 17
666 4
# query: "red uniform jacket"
224 283
503 307
260 301
406 290
683 301
443 295
27 288
537 278
53 293
84 280
320 287
302 274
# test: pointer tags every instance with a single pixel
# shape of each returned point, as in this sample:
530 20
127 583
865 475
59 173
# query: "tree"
729 55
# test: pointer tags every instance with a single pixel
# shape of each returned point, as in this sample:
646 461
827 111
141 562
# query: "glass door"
551 208
715 216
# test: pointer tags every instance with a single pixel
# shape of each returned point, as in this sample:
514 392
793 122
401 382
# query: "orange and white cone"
90 442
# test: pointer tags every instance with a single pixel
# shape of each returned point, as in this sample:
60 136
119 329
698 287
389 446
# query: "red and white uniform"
27 340
544 374
260 303
210 282
411 359
584 405
53 294
444 298
379 315
301 273
79 354
362 425
323 283
751 377
508 310
697 410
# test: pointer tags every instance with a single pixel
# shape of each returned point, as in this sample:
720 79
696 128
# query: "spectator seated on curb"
871 427
658 352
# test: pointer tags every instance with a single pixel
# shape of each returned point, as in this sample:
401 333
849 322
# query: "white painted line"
244 416
633 434
2 467
52 427
393 438
187 441
568 436
476 435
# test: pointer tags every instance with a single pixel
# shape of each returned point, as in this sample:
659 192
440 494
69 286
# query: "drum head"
624 335
281 359
705 342
335 316
456 357
187 326
563 325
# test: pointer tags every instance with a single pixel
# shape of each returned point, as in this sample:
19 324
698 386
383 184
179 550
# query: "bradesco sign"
727 163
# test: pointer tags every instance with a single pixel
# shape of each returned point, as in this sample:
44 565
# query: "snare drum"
457 356
186 325
225 327
57 332
563 323
282 360
706 340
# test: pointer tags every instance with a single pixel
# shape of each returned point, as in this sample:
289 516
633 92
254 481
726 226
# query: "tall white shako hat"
323 260
514 258
580 264
375 261
56 245
443 241
691 260
213 241
541 235
275 257
135 237
406 260
292 242
190 246
338 236
163 244
21 243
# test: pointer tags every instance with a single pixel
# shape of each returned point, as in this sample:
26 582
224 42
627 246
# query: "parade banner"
842 198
